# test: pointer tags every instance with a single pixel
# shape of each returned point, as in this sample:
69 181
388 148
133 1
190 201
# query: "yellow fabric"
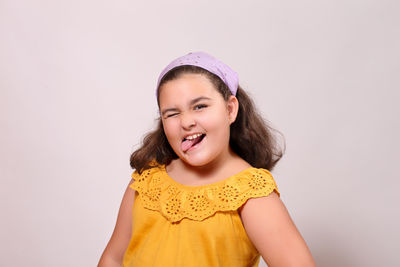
180 225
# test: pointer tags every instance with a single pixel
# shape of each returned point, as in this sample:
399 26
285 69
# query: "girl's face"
196 119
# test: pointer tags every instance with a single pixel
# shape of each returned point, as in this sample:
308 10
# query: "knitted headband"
207 62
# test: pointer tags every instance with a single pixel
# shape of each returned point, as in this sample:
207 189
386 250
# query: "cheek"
215 120
218 131
170 129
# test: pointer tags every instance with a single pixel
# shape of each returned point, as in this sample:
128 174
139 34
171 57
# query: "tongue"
189 143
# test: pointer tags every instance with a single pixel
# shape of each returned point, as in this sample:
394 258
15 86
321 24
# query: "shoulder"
140 176
263 189
262 203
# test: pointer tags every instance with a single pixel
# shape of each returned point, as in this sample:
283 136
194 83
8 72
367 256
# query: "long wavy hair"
251 137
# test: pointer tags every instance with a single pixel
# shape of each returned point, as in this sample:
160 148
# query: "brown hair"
250 135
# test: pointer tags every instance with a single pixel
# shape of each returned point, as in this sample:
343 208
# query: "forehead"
185 88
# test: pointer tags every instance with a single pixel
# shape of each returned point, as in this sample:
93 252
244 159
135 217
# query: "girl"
201 193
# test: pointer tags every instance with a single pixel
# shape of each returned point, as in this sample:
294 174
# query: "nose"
187 120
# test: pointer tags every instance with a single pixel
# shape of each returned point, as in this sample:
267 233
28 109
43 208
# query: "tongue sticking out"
186 144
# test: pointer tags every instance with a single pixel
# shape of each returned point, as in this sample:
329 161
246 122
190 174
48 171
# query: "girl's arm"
273 233
115 249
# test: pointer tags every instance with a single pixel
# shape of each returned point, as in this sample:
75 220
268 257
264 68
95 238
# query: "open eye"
200 106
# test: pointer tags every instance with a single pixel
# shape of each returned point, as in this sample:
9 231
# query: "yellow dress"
181 225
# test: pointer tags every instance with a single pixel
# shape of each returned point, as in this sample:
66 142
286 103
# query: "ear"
233 108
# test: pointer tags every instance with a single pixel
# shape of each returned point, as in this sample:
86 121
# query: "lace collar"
176 201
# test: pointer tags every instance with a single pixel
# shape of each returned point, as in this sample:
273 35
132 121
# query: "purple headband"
205 61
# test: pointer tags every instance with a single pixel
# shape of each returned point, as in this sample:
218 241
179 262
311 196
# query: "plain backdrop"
77 81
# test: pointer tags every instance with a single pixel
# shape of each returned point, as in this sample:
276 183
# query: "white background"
77 82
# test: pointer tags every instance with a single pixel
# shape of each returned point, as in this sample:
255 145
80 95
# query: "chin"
196 160
195 163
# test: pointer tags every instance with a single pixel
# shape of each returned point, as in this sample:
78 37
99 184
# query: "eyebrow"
192 102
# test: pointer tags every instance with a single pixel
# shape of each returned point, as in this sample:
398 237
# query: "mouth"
188 144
